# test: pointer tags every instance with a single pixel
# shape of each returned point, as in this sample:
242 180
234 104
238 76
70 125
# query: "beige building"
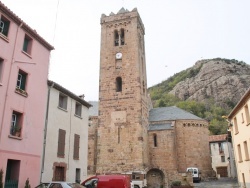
124 128
239 125
66 136
223 162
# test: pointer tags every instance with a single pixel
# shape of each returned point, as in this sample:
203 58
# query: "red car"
108 181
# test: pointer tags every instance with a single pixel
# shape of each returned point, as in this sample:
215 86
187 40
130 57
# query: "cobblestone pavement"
220 183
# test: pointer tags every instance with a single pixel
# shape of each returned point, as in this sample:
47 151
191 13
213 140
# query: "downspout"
8 81
70 125
45 131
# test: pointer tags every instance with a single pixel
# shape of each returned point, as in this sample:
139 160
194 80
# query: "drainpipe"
8 81
70 125
45 131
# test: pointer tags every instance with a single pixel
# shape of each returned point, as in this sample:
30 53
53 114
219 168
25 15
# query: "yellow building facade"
239 125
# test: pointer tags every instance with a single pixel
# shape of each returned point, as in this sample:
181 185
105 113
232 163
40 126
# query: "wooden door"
59 173
222 171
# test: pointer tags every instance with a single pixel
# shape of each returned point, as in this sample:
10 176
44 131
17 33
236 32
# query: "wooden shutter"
61 143
76 146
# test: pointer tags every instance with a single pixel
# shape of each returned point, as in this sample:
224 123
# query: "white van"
195 173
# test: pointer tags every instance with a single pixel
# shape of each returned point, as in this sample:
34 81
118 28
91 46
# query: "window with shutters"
16 124
4 25
239 153
61 143
247 112
246 151
76 147
236 126
1 70
27 44
21 83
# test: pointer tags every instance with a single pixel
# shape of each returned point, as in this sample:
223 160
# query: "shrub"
1 178
176 183
27 183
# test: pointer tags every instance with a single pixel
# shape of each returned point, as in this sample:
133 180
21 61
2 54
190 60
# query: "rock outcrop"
221 79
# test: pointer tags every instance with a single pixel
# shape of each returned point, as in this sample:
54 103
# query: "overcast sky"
177 34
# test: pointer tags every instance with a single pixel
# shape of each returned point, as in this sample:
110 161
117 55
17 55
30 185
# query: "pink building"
24 61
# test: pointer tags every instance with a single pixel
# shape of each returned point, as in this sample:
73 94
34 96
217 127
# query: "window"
118 84
27 44
21 82
78 109
4 26
1 69
61 143
63 100
247 114
116 38
223 159
221 148
143 87
16 124
76 146
242 118
78 175
236 126
155 140
246 151
243 180
122 37
239 153
119 37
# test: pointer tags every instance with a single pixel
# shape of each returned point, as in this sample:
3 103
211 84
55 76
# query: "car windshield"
190 170
75 185
43 185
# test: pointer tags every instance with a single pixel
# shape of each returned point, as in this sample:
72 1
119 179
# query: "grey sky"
177 34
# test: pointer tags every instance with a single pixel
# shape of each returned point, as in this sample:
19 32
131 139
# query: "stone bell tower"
123 99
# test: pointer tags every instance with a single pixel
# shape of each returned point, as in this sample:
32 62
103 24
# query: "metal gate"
11 184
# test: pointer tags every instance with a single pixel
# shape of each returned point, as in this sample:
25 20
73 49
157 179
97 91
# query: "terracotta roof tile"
216 138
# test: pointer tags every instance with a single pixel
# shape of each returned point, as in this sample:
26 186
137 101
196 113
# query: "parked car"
195 173
108 181
60 184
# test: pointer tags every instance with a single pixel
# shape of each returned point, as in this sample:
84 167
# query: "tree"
27 183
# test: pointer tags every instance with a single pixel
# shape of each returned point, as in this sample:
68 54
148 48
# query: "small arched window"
116 37
119 38
155 140
122 37
118 84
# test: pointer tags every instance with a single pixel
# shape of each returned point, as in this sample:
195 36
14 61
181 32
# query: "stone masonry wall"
123 115
92 143
192 145
164 155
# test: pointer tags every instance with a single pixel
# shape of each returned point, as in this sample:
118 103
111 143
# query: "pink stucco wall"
27 148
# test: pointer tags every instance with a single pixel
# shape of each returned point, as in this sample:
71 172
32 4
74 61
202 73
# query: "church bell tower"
123 99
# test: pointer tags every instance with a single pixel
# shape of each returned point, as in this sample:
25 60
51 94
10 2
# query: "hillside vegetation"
209 106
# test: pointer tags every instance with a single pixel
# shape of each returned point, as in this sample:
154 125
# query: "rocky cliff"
221 79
